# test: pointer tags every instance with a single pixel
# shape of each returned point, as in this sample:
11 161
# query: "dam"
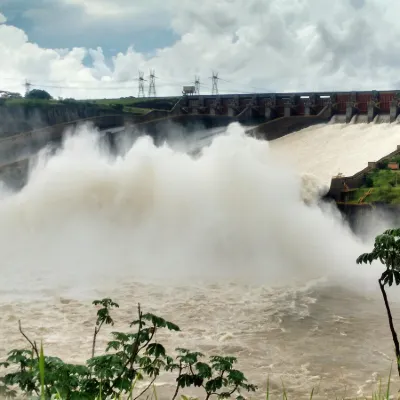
220 243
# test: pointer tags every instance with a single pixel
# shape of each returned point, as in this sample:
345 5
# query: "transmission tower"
197 84
214 82
27 87
141 81
152 85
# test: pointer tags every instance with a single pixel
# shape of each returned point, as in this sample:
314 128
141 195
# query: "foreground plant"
129 357
387 250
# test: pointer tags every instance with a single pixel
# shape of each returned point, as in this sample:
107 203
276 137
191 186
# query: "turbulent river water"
221 244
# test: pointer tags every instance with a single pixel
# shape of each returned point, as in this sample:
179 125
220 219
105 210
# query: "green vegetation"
38 94
132 104
136 106
129 357
48 104
384 182
387 251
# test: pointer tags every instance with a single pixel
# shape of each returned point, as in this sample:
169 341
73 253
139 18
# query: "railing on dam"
276 105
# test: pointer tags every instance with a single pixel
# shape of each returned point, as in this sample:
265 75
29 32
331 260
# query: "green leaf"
120 336
214 384
185 380
222 363
114 344
156 350
204 370
172 327
107 302
156 321
41 370
237 377
390 280
397 277
197 380
189 357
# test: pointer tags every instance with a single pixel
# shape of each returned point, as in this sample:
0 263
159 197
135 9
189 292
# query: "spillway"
221 244
323 151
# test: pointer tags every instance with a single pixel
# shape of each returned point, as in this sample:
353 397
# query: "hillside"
21 115
382 185
138 105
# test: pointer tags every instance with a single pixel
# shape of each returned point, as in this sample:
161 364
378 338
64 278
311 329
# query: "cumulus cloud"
149 13
255 45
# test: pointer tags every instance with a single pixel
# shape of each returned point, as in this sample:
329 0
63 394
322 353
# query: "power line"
127 85
152 85
100 85
263 90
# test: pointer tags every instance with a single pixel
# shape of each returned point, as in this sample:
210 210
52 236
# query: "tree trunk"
392 330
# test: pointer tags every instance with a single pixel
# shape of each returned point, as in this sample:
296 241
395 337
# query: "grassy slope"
36 103
139 105
127 104
385 184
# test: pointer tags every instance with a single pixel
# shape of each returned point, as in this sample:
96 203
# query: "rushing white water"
322 151
221 244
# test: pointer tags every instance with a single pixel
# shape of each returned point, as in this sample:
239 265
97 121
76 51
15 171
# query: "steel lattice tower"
27 87
141 81
197 84
152 85
214 83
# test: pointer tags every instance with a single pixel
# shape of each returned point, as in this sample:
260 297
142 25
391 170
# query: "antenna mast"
152 85
141 84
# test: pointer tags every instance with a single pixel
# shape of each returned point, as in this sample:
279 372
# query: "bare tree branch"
33 344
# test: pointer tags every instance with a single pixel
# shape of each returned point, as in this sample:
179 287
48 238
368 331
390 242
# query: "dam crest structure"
267 116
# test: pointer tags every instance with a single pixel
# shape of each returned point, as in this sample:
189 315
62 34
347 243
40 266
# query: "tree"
387 251
38 94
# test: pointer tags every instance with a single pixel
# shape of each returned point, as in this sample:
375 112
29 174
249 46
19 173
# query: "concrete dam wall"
24 144
27 117
16 150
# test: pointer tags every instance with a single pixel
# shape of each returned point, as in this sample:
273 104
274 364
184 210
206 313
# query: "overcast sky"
94 48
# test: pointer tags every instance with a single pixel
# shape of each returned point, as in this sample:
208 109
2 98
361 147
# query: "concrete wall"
16 150
159 129
27 117
16 146
356 214
15 175
159 126
280 127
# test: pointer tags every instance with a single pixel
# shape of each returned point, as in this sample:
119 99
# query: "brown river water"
221 244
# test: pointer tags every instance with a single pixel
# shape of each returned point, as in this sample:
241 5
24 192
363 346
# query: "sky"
96 48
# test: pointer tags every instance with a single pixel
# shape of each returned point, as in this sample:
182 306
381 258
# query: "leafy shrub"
129 357
38 94
369 182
